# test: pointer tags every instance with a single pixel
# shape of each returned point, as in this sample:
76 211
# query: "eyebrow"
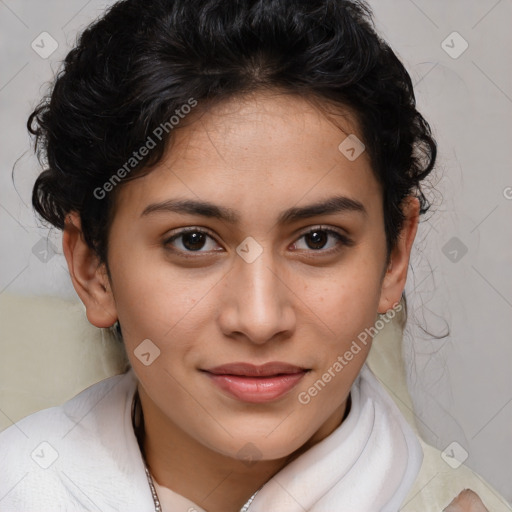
332 205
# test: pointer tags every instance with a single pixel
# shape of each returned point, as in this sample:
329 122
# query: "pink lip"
256 384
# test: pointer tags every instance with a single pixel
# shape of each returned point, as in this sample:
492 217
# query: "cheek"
153 300
348 306
349 300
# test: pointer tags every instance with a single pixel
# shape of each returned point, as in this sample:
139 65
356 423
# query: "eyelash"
343 239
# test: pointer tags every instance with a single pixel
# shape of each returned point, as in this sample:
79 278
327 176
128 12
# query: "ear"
89 278
393 283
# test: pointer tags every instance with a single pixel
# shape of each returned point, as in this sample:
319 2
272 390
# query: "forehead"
259 149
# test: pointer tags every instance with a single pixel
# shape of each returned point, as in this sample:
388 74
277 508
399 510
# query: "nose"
257 302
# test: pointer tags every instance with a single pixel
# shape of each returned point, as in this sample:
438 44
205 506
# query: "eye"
321 239
192 240
318 239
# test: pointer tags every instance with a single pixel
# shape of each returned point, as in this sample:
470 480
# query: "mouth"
256 384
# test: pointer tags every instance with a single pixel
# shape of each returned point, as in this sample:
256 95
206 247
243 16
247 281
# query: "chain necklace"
156 501
138 427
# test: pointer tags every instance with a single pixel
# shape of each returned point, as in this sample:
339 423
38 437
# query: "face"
285 264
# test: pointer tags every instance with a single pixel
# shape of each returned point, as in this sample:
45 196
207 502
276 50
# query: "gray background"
461 271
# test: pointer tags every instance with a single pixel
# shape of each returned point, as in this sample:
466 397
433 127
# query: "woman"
239 187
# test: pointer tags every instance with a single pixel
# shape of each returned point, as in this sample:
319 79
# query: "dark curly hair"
137 65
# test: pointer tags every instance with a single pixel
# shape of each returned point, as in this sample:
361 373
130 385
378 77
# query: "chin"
249 448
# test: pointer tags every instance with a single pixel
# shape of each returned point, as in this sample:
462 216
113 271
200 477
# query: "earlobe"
393 283
89 277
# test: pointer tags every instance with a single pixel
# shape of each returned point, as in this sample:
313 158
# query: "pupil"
192 240
317 238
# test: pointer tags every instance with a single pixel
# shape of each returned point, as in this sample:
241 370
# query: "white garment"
93 462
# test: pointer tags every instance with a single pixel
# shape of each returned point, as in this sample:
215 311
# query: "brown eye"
191 240
323 240
316 239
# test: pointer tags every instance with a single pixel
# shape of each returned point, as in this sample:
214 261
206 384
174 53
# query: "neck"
211 480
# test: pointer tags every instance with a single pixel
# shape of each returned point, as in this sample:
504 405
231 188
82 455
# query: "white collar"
369 463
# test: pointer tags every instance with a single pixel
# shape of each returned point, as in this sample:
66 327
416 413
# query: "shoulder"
61 454
442 478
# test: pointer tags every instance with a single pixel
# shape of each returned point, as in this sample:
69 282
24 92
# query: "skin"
297 302
466 501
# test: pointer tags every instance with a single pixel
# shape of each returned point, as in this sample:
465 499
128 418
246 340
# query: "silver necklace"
156 501
138 426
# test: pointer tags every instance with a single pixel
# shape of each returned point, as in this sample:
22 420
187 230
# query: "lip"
256 384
